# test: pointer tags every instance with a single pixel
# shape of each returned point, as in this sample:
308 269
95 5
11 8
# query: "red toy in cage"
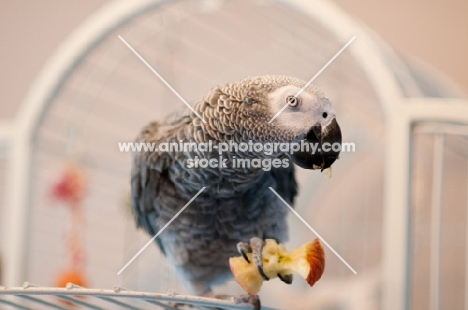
70 190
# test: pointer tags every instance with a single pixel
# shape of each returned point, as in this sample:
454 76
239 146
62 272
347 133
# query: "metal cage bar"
438 167
466 238
73 293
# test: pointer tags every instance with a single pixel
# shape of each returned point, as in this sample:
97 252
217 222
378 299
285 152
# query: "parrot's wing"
143 178
148 177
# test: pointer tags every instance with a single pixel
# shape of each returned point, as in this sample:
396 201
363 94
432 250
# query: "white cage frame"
400 114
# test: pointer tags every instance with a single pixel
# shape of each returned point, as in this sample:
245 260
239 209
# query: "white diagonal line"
313 78
160 231
314 231
162 79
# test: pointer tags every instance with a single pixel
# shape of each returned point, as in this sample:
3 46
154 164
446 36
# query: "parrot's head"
308 116
243 111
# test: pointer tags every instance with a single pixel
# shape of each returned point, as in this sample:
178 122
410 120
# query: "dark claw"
260 270
288 278
256 303
245 257
244 248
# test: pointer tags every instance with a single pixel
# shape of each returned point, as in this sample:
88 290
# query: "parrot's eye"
324 114
249 100
292 101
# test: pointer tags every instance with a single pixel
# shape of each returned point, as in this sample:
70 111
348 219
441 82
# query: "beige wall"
435 31
30 32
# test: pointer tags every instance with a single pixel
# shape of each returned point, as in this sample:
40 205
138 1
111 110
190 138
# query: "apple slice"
308 261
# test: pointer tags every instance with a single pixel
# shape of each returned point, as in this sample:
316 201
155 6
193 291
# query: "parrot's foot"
255 247
248 299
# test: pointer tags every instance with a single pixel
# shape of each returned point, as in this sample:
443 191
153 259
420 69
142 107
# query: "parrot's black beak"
325 147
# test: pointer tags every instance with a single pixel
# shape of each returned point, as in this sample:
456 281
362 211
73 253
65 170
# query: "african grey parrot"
237 210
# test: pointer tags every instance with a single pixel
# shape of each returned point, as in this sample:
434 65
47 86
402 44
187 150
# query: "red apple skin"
316 259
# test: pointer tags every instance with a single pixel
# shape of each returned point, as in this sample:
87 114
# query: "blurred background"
435 32
74 209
